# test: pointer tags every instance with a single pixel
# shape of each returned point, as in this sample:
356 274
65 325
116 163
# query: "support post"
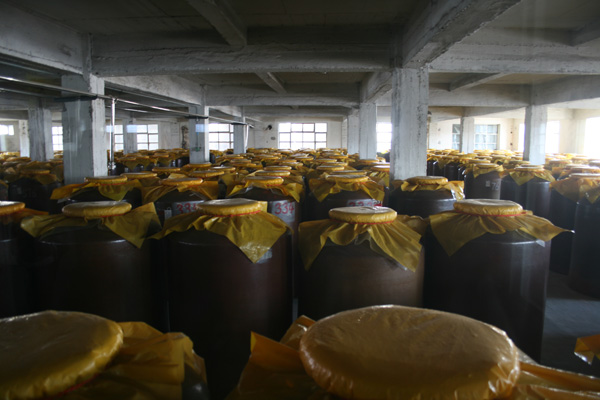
240 135
353 133
467 134
198 135
40 131
536 118
129 136
367 143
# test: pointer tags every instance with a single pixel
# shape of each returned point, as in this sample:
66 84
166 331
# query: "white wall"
13 143
261 136
440 134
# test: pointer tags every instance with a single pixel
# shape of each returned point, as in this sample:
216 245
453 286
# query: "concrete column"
23 139
467 134
353 134
240 135
198 135
410 97
129 136
85 140
536 118
367 131
40 132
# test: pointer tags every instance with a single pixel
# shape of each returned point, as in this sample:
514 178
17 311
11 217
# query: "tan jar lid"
428 180
182 181
488 207
347 178
106 180
348 172
10 207
278 168
271 172
363 215
230 207
139 175
209 173
165 169
265 180
96 209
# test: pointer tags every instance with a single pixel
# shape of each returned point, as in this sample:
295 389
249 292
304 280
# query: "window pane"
321 137
285 127
224 137
213 146
56 139
3 129
153 128
153 146
118 128
296 137
118 138
58 147
296 145
153 139
308 137
131 128
296 127
118 147
213 137
142 138
284 137
223 146
322 127
308 127
384 137
142 146
142 128
321 145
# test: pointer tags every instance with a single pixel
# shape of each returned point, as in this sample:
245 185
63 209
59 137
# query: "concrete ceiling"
310 57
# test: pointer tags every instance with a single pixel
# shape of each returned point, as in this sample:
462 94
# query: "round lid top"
529 167
233 156
266 180
488 207
363 215
272 172
10 207
476 161
379 168
559 161
583 175
139 175
209 173
107 180
326 160
428 180
224 169
486 164
289 163
166 169
181 181
35 172
46 353
240 160
347 178
278 168
349 172
96 209
395 352
229 207
368 160
328 167
199 165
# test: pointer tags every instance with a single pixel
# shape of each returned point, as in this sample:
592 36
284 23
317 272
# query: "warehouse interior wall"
263 136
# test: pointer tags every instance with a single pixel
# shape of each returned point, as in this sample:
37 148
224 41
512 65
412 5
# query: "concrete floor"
569 315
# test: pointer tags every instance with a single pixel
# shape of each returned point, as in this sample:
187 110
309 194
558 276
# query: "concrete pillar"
535 134
353 133
410 97
85 140
23 127
198 135
240 135
40 131
367 131
467 134
129 136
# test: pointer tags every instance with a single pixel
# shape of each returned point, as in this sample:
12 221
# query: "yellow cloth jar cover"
244 222
43 176
525 173
111 187
77 356
579 186
483 168
431 183
587 348
331 184
393 236
474 218
275 370
208 189
275 184
132 226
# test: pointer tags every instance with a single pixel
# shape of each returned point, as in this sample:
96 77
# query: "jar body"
561 213
485 186
34 194
497 279
316 210
421 202
451 171
584 271
15 275
176 202
353 276
218 296
94 270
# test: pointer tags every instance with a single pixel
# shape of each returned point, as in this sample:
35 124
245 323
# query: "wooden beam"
220 14
432 30
272 81
585 34
472 80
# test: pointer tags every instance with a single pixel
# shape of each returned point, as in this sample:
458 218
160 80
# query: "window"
592 137
57 138
486 137
296 136
384 136
146 136
220 136
456 136
118 136
552 136
7 130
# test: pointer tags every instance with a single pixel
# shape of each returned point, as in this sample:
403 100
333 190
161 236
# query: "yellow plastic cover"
139 175
587 348
10 207
474 218
208 189
133 226
387 234
404 353
114 187
321 188
273 172
380 175
165 170
244 222
96 209
46 353
483 168
579 186
431 183
209 173
525 173
274 184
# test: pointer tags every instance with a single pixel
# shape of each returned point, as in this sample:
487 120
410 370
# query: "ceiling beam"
264 112
488 111
272 81
223 18
433 29
585 34
503 50
375 85
567 89
472 80
159 87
